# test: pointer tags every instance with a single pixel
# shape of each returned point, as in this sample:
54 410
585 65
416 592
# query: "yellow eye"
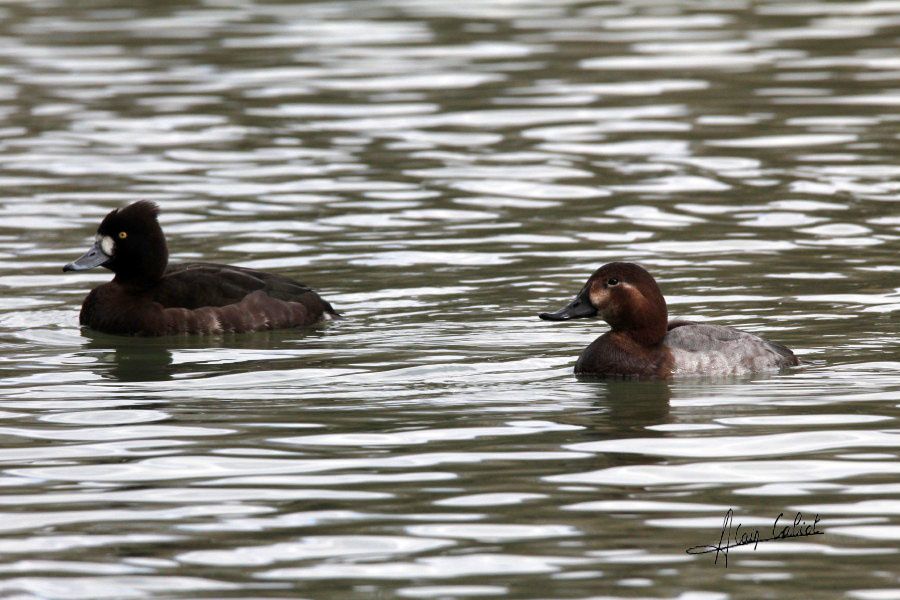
123 235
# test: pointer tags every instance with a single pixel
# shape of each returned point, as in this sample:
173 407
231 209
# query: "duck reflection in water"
179 357
121 359
625 407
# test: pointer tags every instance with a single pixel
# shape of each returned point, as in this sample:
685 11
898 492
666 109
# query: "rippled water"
443 171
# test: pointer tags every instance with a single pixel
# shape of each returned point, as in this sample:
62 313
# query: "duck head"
130 243
624 295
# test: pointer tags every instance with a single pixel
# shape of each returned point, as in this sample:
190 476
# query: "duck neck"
145 269
646 323
648 334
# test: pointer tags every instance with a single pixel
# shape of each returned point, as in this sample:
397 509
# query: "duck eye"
123 235
612 281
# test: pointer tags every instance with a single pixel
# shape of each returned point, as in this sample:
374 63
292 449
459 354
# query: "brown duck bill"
94 257
579 308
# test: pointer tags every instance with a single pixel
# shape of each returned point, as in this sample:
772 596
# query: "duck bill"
90 259
579 308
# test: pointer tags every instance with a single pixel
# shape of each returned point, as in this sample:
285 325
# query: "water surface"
442 172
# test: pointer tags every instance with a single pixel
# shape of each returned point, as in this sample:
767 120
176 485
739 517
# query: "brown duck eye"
123 235
612 281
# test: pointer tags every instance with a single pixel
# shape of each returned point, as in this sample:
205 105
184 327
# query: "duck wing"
195 285
703 347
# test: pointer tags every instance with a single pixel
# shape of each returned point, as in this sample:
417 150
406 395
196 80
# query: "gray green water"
442 172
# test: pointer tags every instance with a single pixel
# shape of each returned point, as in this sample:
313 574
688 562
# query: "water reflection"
625 406
134 359
121 359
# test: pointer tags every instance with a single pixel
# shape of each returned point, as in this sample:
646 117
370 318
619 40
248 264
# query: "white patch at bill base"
107 245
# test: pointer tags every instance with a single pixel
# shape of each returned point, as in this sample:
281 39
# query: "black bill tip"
551 317
580 308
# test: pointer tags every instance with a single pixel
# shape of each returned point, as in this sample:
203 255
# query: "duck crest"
141 252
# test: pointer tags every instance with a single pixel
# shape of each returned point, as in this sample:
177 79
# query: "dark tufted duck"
643 343
150 297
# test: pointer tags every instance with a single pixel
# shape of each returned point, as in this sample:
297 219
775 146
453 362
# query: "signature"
733 537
